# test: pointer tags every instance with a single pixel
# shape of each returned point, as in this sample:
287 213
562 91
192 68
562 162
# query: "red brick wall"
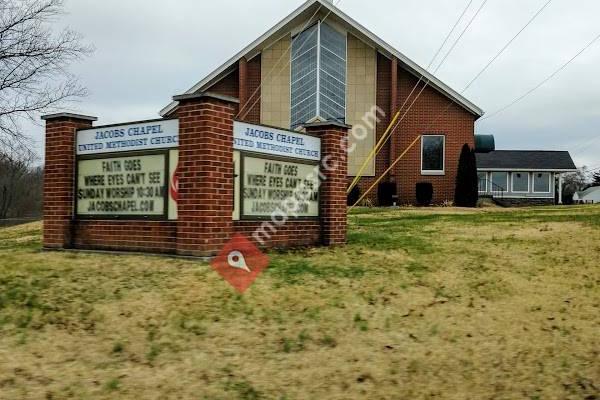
429 115
62 231
334 170
141 236
456 123
205 200
251 112
330 228
293 234
205 204
59 177
244 84
228 86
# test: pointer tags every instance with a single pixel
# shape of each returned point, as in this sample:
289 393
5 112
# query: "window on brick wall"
318 75
433 148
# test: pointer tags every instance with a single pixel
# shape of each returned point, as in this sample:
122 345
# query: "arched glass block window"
318 75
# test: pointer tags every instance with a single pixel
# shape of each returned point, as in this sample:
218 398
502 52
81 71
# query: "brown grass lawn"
421 304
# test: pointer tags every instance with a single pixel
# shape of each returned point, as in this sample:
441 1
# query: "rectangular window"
541 182
482 177
433 154
304 76
520 182
499 181
318 75
332 75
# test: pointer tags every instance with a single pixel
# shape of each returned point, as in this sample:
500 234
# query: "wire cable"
492 60
395 122
544 81
508 44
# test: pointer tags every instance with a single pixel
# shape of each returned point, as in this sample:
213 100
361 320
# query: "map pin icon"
235 259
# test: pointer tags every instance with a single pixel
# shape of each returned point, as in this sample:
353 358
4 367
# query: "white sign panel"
122 186
159 134
277 142
270 186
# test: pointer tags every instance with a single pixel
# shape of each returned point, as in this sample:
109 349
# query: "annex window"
318 75
520 182
541 182
482 177
433 149
499 181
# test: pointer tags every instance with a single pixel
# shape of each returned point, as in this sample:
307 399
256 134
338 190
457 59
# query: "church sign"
279 171
133 185
275 142
128 171
147 186
146 135
275 185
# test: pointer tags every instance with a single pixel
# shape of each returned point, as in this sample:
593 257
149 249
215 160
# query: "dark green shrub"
386 192
424 193
466 192
353 196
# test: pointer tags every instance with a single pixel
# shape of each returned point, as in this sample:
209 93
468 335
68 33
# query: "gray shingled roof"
525 159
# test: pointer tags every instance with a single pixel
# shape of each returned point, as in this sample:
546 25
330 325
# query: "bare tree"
33 63
18 180
596 178
574 182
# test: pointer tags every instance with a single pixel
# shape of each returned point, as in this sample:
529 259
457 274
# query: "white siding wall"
530 193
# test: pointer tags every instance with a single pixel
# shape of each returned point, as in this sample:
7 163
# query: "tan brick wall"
360 94
360 98
275 90
429 114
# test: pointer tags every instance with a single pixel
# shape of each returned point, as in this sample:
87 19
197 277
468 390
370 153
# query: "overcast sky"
148 51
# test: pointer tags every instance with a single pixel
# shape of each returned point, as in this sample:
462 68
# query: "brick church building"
318 64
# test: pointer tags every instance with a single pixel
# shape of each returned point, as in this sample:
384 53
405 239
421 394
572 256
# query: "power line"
448 37
507 45
453 100
492 60
583 145
543 82
395 122
461 34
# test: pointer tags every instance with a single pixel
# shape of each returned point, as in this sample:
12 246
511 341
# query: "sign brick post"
59 177
205 199
334 169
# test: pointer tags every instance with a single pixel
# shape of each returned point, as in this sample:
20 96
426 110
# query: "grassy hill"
433 303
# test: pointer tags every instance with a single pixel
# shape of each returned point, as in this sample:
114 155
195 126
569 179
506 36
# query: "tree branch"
31 57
